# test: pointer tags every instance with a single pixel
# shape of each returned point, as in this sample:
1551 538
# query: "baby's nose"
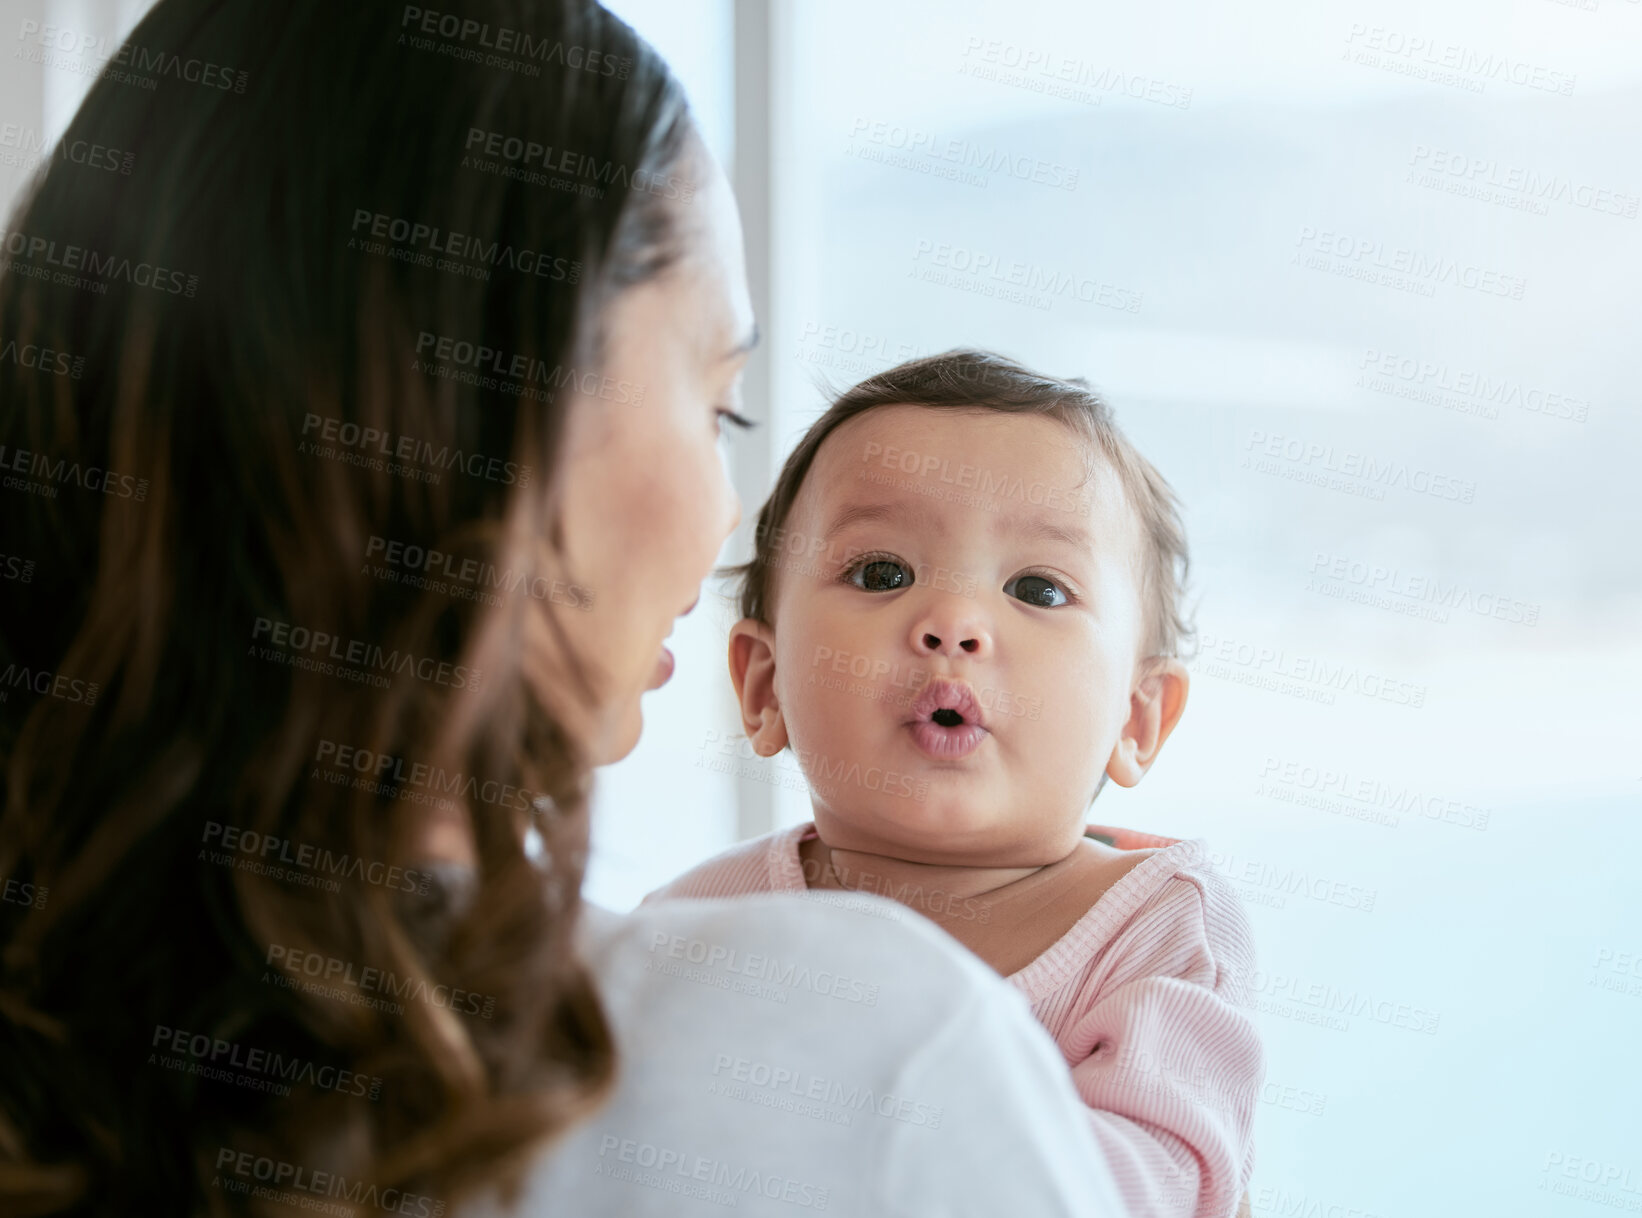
950 630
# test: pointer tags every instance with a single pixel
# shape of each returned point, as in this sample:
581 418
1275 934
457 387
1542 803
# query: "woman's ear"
1155 706
752 669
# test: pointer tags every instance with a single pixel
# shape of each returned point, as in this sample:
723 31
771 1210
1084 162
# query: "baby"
962 617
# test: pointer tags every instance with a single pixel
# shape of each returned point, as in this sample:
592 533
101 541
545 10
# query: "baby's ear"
1155 706
752 668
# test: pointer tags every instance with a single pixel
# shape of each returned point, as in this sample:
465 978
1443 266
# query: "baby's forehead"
971 465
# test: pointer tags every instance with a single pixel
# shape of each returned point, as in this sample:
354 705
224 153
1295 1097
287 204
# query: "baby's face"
957 627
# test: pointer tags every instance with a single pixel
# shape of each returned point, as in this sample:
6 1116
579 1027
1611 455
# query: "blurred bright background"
1423 691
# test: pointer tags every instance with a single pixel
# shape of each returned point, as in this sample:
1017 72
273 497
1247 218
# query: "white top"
788 1054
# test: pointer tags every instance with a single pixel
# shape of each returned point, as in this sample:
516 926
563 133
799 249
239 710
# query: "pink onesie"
1146 998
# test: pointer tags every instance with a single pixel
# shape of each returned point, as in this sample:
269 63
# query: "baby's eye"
879 573
1036 590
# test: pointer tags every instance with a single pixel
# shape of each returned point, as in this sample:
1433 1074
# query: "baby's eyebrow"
1047 530
859 512
1037 528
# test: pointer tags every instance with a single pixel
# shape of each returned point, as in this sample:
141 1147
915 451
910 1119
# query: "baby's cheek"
1070 752
822 717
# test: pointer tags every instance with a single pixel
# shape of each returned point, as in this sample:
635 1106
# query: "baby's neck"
888 875
1007 916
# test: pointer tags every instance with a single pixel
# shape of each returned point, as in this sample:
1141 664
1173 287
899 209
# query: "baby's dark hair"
983 380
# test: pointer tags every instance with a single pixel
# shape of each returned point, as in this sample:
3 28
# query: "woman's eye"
734 419
880 575
1036 590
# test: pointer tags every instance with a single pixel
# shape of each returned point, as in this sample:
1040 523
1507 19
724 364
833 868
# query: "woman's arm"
1013 1139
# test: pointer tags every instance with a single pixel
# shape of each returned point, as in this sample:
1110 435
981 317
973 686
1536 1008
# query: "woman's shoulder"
790 949
783 1050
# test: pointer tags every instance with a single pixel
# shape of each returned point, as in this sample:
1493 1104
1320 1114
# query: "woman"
365 457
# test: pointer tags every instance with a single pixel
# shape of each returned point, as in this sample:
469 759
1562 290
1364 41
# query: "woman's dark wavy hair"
185 353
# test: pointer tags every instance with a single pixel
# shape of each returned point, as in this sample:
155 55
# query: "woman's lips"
946 743
664 660
664 669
